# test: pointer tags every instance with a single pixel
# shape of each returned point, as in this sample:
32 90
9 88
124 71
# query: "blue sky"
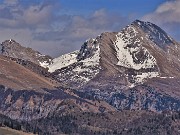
56 27
124 7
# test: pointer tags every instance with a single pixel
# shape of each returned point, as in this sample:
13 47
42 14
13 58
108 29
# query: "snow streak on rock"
90 66
44 64
78 68
131 54
154 33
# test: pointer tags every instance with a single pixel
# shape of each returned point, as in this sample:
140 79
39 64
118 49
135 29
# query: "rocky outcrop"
27 105
142 97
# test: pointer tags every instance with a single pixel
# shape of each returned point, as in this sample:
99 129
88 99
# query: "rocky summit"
124 82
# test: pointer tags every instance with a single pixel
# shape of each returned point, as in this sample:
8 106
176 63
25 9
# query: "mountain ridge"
137 45
11 48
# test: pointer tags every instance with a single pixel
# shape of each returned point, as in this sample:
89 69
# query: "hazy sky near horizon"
56 27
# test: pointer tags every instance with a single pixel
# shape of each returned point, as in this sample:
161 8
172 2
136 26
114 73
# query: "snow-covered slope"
63 61
127 54
77 68
132 55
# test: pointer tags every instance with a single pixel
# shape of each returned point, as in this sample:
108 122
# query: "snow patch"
128 46
140 78
63 61
166 77
124 53
44 64
94 60
89 68
75 71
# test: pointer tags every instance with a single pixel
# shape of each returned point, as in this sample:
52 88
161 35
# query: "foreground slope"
111 123
15 76
26 95
9 131
28 91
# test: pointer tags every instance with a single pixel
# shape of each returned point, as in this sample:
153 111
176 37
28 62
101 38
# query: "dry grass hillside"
15 76
8 131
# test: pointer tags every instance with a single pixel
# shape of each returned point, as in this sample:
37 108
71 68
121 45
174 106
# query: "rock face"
13 49
142 97
80 67
28 105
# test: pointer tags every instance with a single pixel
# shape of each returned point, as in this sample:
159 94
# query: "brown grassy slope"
15 76
9 131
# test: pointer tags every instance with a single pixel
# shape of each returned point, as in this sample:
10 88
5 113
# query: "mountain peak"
11 48
87 49
8 42
132 56
154 33
143 23
139 22
11 40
